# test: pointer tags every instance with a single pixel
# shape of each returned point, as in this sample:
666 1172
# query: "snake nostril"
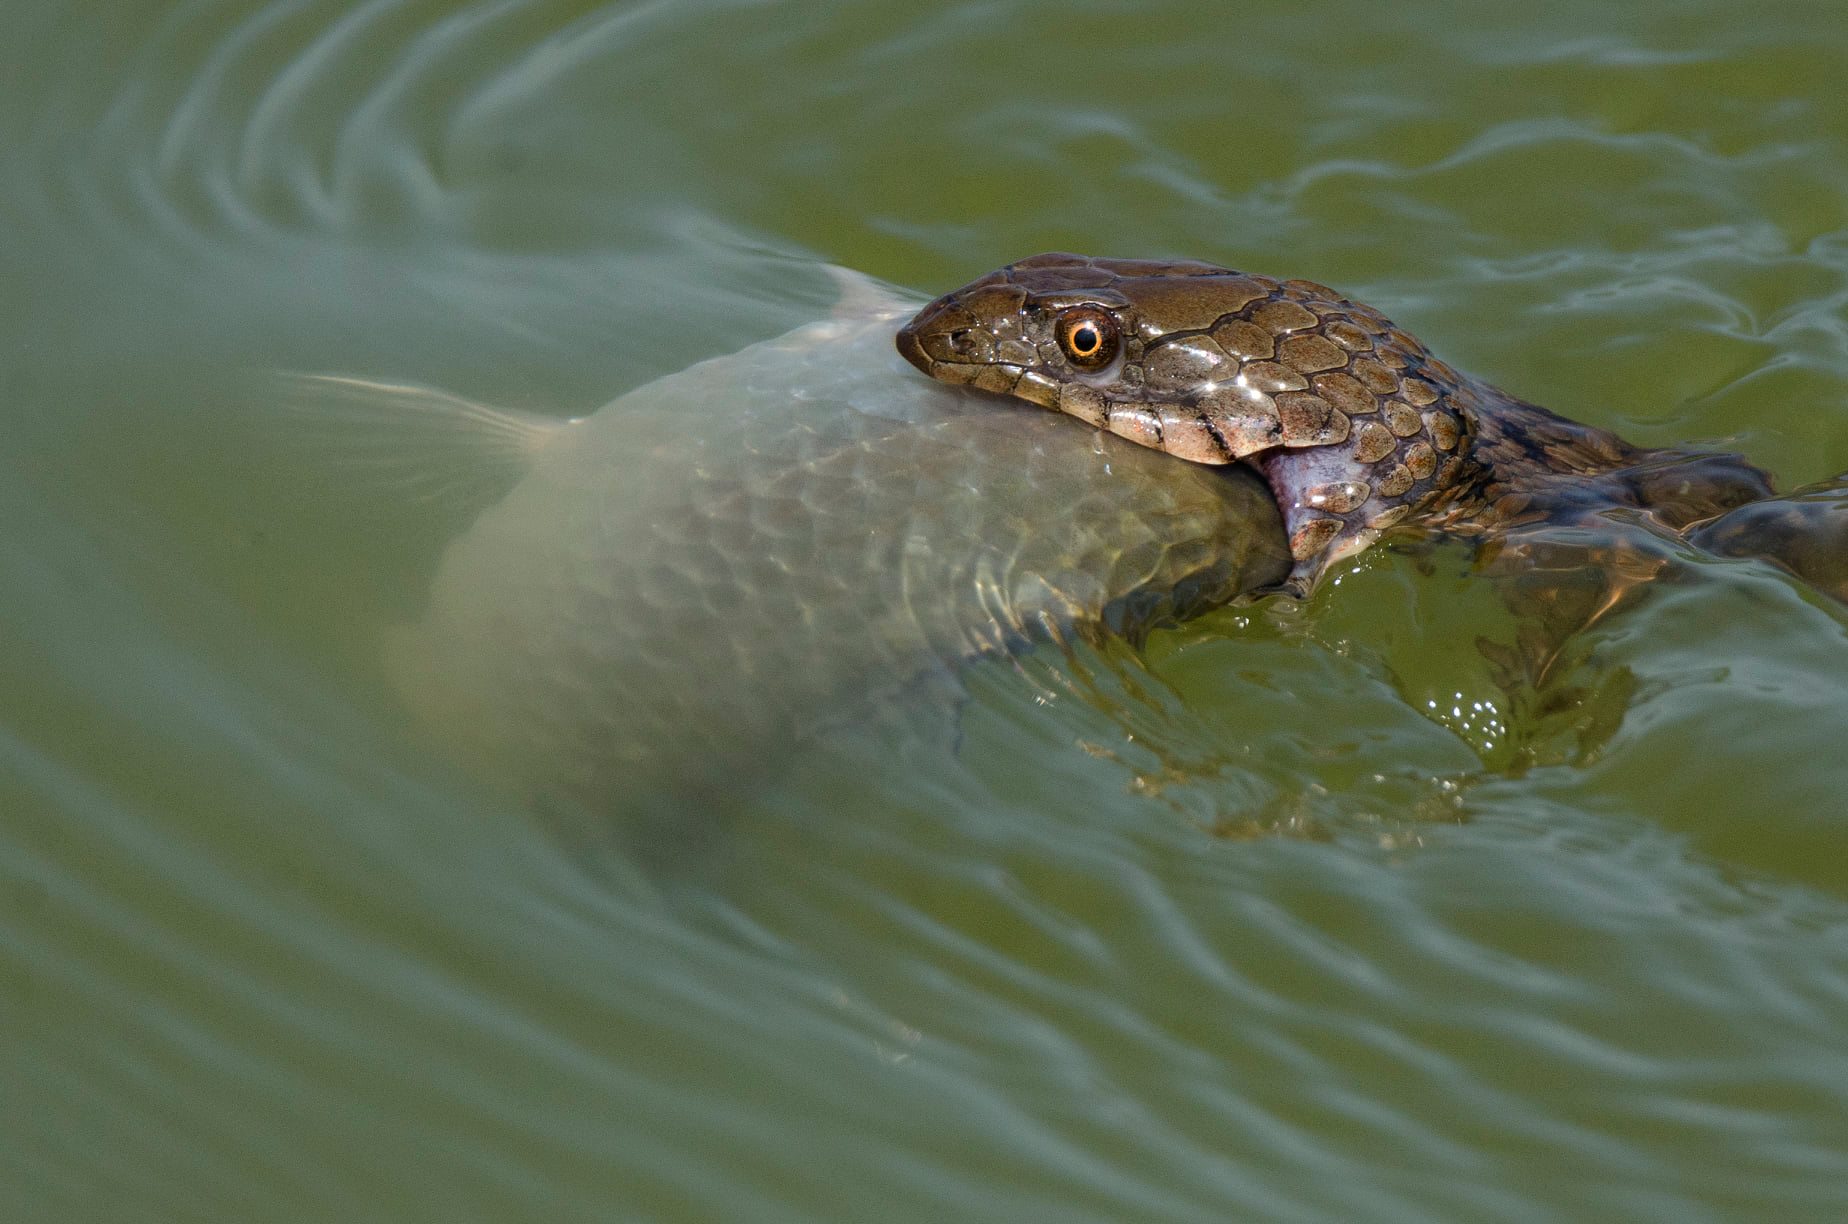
960 340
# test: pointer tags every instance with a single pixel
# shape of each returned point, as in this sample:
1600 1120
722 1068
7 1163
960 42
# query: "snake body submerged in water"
1357 427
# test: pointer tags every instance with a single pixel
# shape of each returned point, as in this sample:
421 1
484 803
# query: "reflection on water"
1255 922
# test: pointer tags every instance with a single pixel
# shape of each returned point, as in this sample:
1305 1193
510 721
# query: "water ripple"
1222 928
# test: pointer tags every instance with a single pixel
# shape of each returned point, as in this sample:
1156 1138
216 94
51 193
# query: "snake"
1359 429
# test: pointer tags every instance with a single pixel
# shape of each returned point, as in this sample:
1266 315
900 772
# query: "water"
1227 928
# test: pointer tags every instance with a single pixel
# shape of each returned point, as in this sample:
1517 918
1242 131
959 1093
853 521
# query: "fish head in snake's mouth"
1349 419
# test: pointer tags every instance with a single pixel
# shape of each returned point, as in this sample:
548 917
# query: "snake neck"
1507 466
1525 465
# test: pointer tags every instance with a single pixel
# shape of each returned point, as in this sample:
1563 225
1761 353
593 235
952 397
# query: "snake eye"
1087 336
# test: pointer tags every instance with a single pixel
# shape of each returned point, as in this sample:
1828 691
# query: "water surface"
1292 914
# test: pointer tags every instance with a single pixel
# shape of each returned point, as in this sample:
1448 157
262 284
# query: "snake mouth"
944 350
967 357
935 353
911 348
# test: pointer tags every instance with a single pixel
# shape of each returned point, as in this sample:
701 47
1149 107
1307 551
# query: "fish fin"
862 297
410 443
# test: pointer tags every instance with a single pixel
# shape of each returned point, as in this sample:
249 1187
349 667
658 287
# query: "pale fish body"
717 566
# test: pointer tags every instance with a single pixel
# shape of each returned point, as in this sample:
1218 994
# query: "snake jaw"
1322 497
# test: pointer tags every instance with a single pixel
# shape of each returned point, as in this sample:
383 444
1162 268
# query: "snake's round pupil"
1088 337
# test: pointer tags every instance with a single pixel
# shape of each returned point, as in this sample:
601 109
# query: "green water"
1225 929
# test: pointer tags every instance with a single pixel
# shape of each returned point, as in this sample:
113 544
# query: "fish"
695 582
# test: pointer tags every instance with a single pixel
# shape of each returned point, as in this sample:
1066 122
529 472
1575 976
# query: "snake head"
1353 423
